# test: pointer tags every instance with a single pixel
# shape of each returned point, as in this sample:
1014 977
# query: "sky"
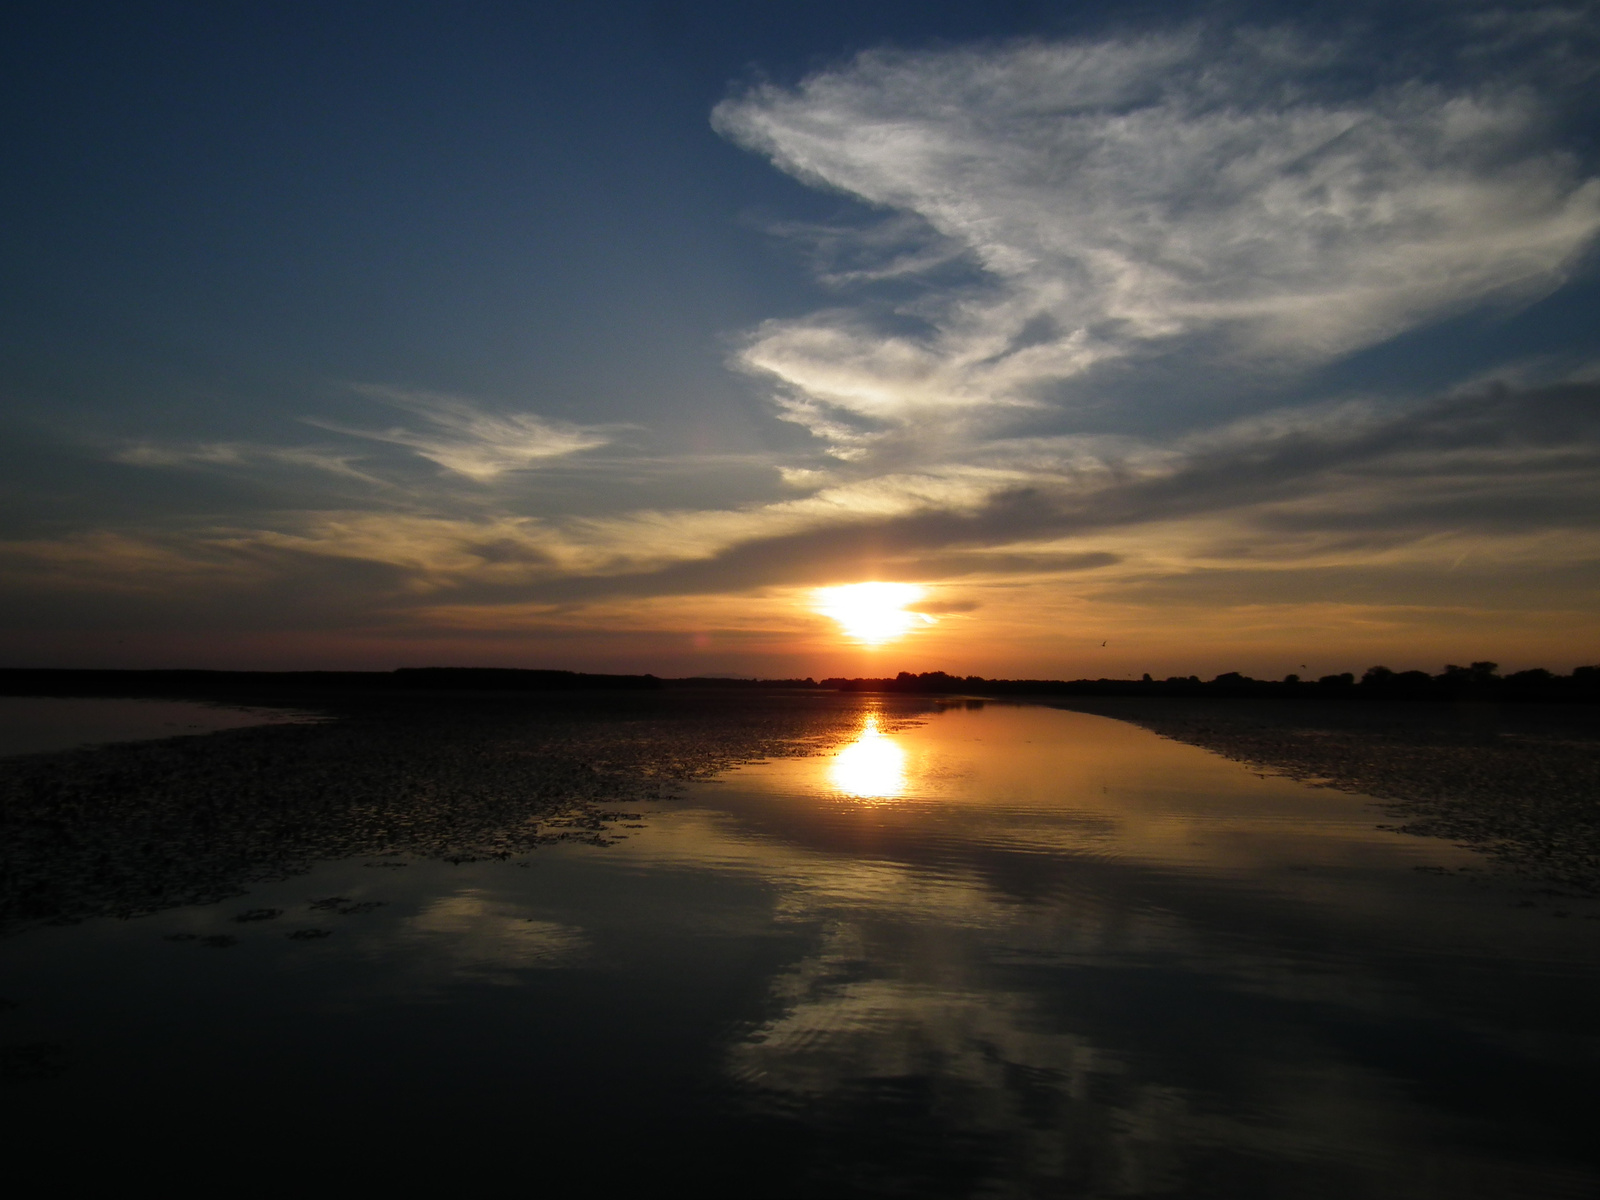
1102 338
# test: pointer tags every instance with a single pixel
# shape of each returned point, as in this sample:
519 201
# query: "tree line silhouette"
1477 681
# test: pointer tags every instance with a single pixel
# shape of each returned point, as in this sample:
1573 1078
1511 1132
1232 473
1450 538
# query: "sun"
873 613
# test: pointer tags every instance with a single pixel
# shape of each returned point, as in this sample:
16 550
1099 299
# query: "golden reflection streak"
873 767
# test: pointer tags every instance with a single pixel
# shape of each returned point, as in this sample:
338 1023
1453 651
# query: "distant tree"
1291 679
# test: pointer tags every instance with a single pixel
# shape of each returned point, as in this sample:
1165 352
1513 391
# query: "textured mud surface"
129 829
1519 783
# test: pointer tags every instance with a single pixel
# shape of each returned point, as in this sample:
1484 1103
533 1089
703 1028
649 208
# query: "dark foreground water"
1005 952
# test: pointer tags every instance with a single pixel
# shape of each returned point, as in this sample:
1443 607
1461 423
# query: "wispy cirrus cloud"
1230 196
1199 212
457 434
463 437
147 453
1434 520
1346 482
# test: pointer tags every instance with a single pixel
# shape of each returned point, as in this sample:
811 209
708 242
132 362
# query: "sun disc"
873 612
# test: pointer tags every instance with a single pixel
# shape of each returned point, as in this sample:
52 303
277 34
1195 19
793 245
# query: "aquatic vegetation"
135 828
32 1062
344 906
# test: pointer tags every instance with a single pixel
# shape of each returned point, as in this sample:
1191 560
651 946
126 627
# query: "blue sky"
1231 336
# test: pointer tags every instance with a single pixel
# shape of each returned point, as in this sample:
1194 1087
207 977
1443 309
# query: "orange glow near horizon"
873 613
873 767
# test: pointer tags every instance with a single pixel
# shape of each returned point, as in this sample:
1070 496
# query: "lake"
40 724
993 951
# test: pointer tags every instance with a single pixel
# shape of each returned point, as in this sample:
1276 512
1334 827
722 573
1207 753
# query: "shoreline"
1519 785
131 828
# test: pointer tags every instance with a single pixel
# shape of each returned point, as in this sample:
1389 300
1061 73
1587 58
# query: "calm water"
38 724
1004 952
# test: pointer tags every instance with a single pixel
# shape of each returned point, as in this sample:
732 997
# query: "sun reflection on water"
873 767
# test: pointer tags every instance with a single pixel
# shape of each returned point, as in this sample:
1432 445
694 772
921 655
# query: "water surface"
1007 951
40 724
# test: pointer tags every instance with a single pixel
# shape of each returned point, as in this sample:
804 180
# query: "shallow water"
40 724
1007 951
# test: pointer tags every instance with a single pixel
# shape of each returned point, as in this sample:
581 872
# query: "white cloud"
457 435
1132 195
1052 210
239 454
463 438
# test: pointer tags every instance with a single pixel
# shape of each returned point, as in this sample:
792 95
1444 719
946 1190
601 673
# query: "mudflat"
994 949
127 829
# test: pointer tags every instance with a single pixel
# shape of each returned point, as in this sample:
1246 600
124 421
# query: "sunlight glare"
873 613
873 767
